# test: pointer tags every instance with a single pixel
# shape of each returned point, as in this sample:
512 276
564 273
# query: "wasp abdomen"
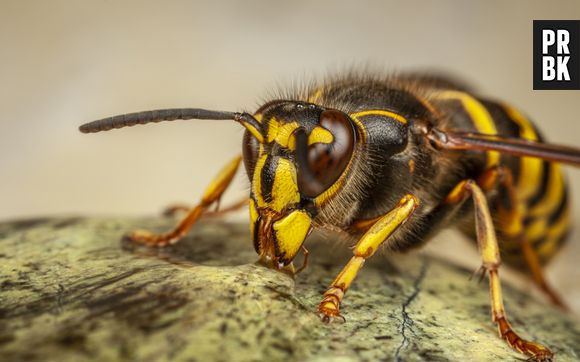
540 214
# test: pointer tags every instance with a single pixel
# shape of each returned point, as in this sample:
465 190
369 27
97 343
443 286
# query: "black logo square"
556 54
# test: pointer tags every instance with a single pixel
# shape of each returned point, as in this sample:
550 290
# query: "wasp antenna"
131 119
251 124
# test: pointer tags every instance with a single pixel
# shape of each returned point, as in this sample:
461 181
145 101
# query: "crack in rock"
407 321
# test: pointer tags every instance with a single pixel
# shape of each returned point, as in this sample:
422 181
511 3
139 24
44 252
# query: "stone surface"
70 291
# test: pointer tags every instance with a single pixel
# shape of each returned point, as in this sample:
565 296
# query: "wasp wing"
514 146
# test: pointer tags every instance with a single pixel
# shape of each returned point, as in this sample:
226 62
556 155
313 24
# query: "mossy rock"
71 291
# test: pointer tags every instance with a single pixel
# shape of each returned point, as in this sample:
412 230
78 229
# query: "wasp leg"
175 209
488 247
219 212
329 307
533 262
211 195
511 226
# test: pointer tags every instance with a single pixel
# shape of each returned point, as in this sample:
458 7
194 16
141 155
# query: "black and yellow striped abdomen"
541 212
544 206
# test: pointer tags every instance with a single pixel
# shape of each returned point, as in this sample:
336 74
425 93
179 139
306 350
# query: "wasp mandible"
389 161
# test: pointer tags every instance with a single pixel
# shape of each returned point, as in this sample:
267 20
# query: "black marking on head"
280 256
255 237
267 177
306 114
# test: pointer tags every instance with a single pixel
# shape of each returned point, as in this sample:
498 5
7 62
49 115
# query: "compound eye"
327 161
250 148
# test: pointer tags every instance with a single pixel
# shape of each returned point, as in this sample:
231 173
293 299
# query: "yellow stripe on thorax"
381 112
479 116
531 168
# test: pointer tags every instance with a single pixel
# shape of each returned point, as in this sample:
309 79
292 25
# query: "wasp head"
297 156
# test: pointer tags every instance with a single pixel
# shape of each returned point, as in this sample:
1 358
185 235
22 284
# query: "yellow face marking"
281 132
273 126
253 217
286 134
318 135
285 189
291 232
257 180
480 117
530 167
258 117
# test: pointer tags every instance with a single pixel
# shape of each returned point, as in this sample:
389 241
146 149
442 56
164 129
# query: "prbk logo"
556 54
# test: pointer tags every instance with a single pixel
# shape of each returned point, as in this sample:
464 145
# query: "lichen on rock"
71 291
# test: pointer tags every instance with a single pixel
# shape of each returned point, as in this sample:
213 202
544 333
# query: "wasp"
388 161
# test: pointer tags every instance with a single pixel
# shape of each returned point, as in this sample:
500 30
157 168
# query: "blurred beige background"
66 62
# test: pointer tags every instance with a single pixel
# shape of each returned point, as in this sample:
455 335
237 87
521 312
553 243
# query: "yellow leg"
511 223
511 226
211 195
329 307
173 210
491 261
